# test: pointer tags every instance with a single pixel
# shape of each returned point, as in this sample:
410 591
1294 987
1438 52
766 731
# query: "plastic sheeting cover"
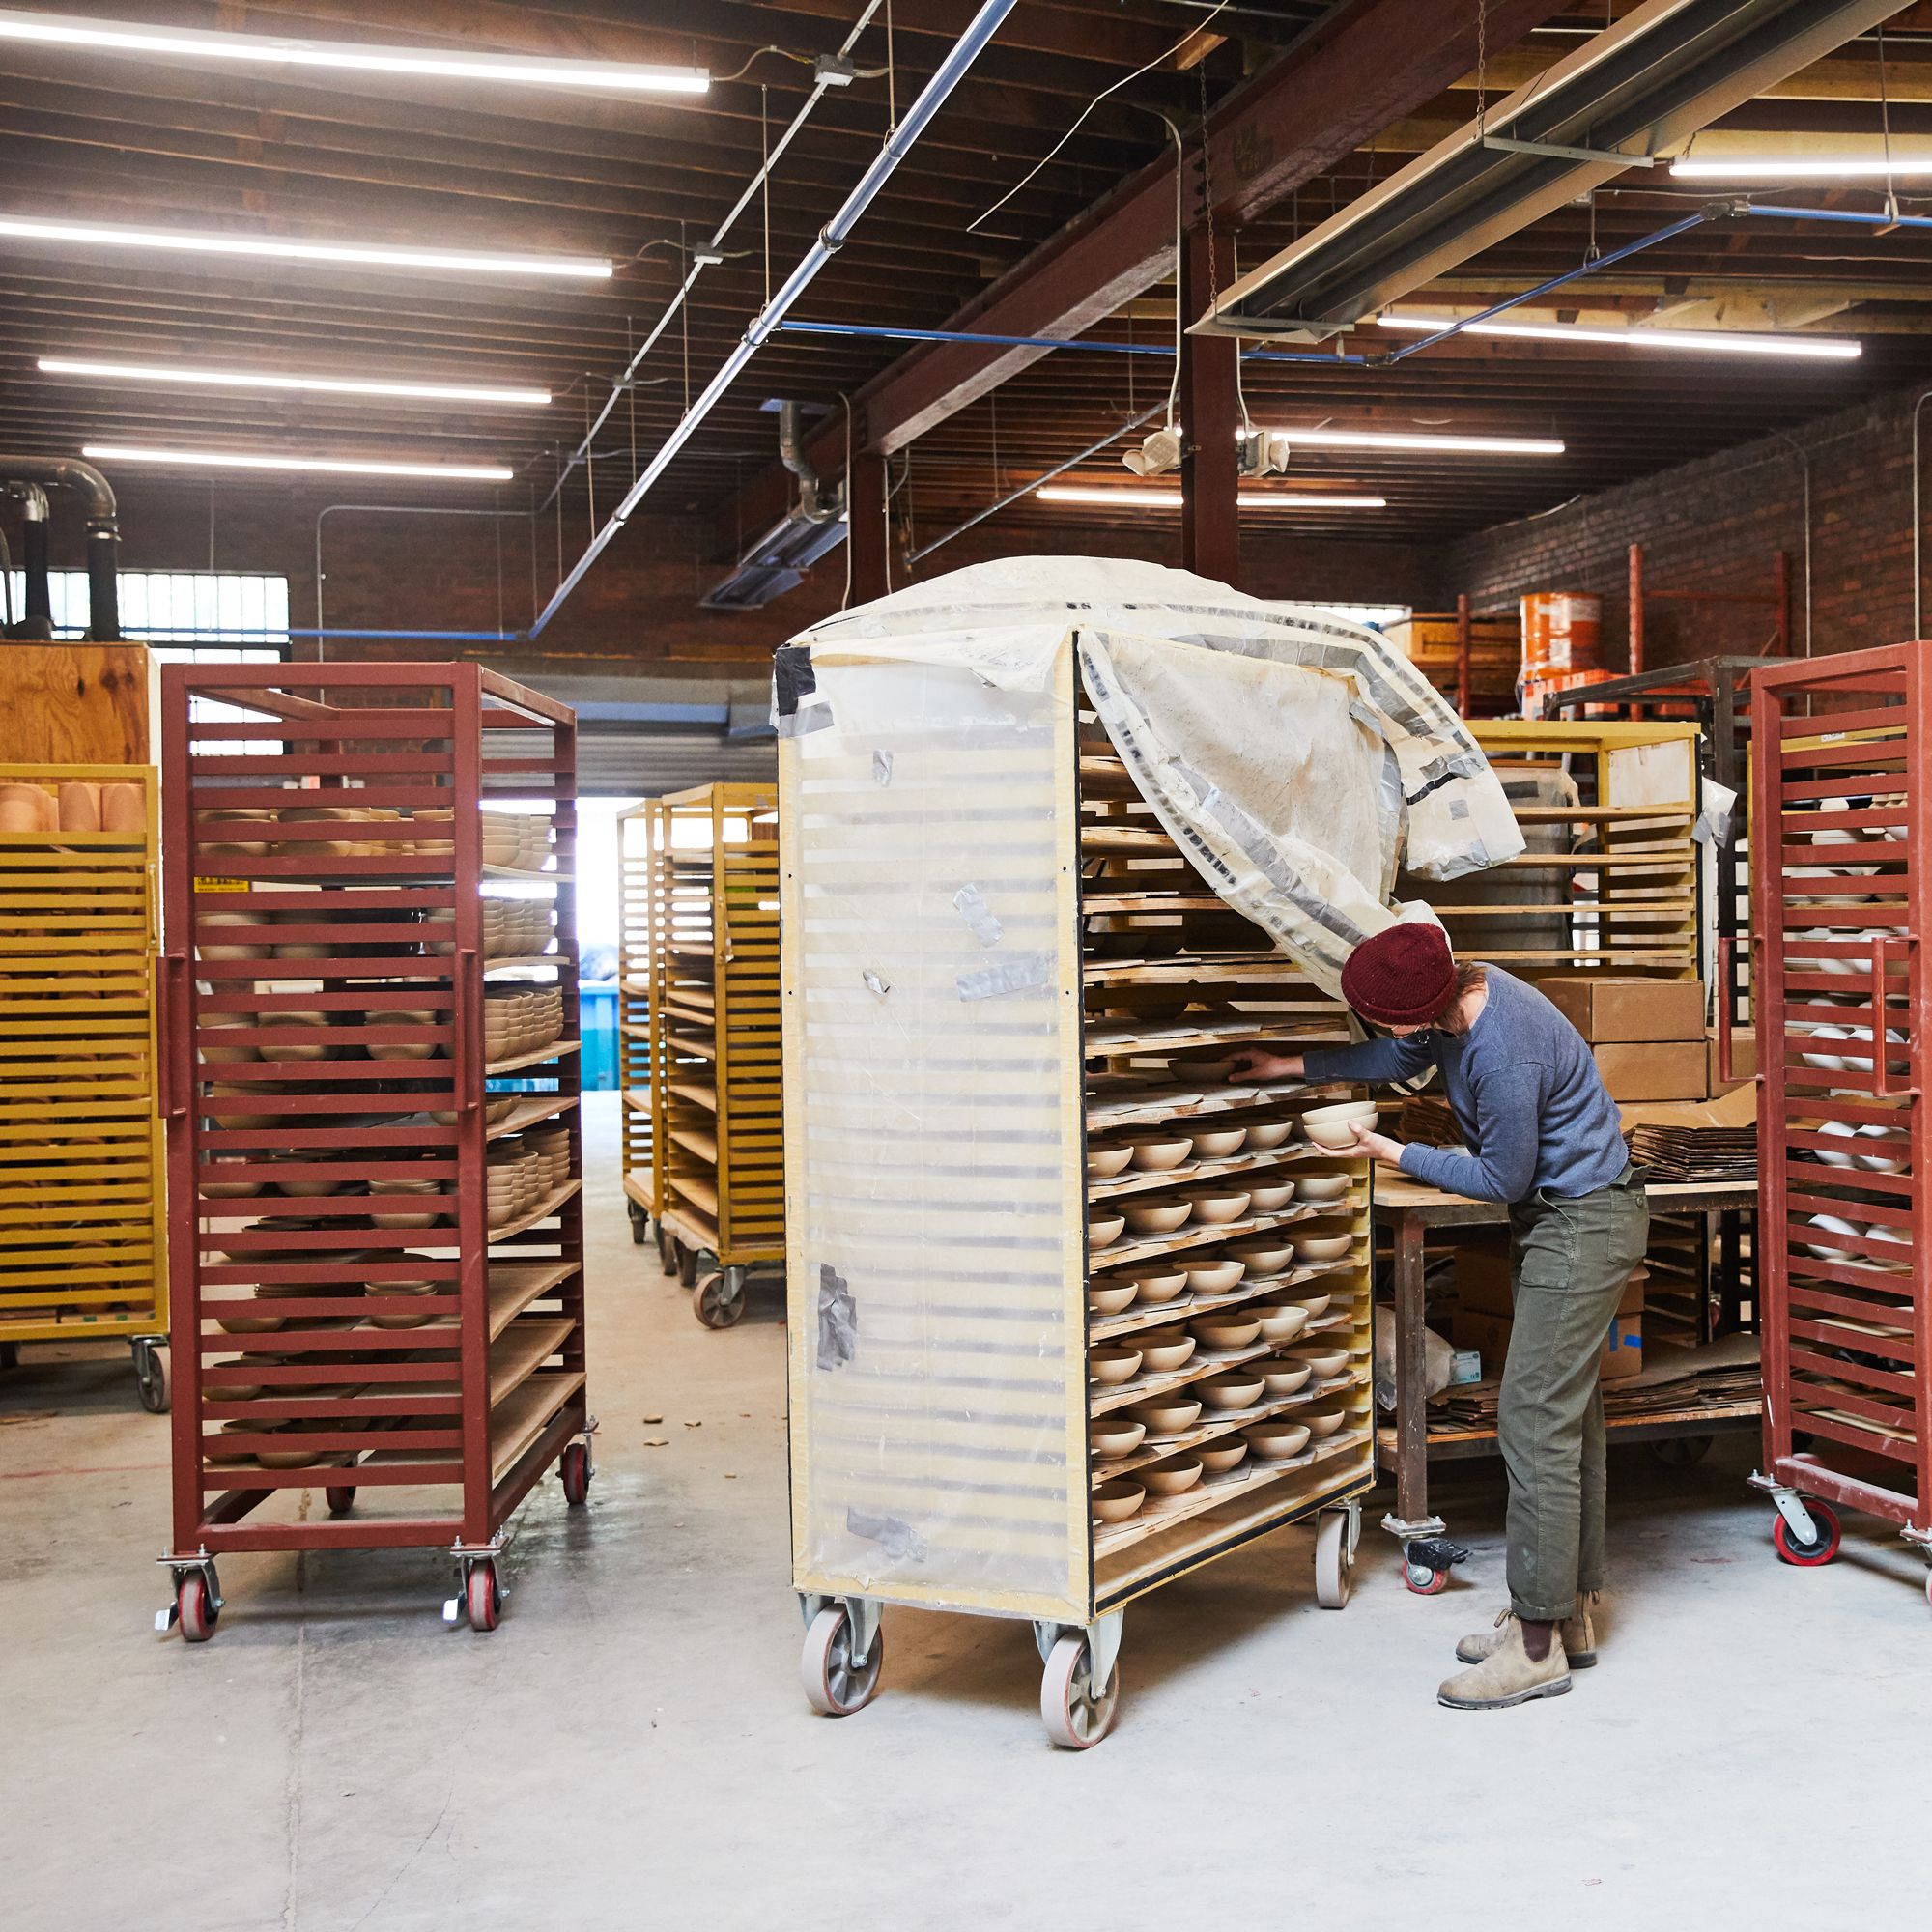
1297 758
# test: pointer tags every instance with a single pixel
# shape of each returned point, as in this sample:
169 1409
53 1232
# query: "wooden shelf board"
1225 1422
528 1111
557 1049
542 1211
524 1414
522 1348
1158 1247
1290 1154
1188 1304
703 1146
515 1285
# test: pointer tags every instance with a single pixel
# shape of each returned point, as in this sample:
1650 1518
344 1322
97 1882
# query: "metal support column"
1210 530
866 526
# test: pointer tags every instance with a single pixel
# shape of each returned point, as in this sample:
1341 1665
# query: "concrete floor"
630 1749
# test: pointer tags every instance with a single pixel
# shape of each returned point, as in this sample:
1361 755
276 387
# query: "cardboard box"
1490 1335
1610 1011
1654 1070
1483 1284
1744 1061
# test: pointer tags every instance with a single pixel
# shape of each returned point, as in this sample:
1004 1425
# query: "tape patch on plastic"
971 904
897 1537
1022 973
838 1320
875 985
882 768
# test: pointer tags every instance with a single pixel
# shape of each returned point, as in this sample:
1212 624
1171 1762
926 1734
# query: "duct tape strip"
972 908
882 769
1022 973
837 1320
1714 818
796 705
892 1534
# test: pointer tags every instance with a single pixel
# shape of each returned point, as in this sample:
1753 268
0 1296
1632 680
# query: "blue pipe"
1840 214
973 335
227 634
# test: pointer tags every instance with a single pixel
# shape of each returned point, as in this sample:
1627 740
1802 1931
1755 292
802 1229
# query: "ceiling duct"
779 558
1636 92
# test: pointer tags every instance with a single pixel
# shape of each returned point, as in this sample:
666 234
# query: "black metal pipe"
36 605
103 537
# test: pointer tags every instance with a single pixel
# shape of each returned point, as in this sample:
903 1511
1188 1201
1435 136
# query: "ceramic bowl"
1104 1162
1275 1439
1220 1144
1322 1187
1104 1229
1334 1127
1324 1422
1173 1479
1162 1286
1167 1415
1240 1391
1322 1247
1265 1134
1116 1502
1314 1306
1113 1437
1200 1072
1263 1257
1165 1349
1159 1217
1281 1323
1283 1375
1234 1328
1323 1360
1216 1276
1110 1297
1218 1458
1162 1155
1214 1210
1271 1196
1111 1366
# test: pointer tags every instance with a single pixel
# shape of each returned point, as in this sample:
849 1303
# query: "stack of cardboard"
1485 1311
1701 1141
1647 1035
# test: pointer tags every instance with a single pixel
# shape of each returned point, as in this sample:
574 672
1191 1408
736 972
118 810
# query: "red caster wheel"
1423 1581
834 1686
195 1607
341 1498
482 1598
574 1470
1807 1555
1076 1712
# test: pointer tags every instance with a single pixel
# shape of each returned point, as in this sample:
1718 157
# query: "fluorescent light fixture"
123 36
334 466
1801 168
1375 439
1716 342
329 386
1127 496
29 228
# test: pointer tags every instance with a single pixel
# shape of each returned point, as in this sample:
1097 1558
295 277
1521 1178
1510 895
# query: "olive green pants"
1570 1260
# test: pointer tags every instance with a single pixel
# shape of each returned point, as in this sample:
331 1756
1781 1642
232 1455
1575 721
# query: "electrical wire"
804 60
973 226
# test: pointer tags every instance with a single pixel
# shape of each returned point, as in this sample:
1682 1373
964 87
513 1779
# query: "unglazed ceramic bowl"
1269 1197
1263 1257
1314 1306
1265 1134
1104 1162
1112 1436
1323 1362
1112 1366
1167 1415
1116 1501
1160 1286
1276 1440
1333 1127
1219 1457
1110 1297
1215 1208
1160 1155
1215 1276
1173 1479
1282 1375
1324 1422
1104 1229
1322 1247
1159 1217
1234 1328
1165 1349
1281 1323
1240 1391
1322 1187
1219 1143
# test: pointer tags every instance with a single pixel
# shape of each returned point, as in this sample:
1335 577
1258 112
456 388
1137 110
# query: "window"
203 617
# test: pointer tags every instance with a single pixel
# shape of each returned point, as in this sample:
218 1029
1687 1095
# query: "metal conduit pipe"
830 73
1917 578
324 631
981 28
103 534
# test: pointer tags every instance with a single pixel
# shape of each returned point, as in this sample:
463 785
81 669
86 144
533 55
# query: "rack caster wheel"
573 1471
151 1377
720 1299
640 1224
666 1253
687 1267
482 1599
1076 1714
1423 1581
340 1497
1334 1560
834 1687
1680 1451
197 1610
1820 1549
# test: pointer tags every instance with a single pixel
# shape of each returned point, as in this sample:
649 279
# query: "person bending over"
1543 1135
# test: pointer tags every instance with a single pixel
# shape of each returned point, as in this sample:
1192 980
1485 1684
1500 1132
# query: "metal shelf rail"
1840 750
716 1121
637 1079
82 1257
371 1086
1000 974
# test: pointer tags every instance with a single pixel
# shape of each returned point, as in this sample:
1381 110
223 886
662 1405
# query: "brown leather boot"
1508 1674
1579 1637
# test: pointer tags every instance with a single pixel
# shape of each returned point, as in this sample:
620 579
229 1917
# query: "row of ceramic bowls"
77 806
1120 1498
521 1019
1214 1273
518 840
1178 1144
1165 1351
512 928
1208 1207
1870 1231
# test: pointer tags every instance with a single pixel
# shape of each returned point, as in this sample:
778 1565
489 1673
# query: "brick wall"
1712 525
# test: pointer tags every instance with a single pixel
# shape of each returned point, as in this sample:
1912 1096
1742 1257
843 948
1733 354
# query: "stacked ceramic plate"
518 840
517 1182
550 1144
519 1019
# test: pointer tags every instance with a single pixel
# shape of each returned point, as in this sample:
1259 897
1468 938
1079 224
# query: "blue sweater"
1533 1109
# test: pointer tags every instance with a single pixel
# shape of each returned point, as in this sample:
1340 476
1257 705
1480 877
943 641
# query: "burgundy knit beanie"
1402 976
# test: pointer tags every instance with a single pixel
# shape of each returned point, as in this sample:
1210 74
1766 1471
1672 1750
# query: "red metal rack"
1838 750
378 1270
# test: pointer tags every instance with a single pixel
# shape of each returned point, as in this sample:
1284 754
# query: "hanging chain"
892 77
765 177
1885 129
1208 194
1482 66
1591 253
684 314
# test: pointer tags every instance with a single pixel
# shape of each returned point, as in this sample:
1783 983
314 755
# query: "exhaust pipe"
38 473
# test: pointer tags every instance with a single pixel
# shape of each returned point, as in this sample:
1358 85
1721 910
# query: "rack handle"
466 1101
1727 948
173 1031
1882 1087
